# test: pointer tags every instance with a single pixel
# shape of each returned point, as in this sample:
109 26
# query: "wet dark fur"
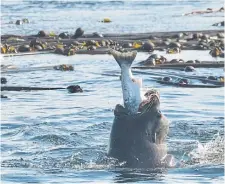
133 139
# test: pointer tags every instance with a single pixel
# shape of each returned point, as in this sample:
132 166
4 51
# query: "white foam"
211 152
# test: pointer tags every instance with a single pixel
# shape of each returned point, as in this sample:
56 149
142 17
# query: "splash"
211 152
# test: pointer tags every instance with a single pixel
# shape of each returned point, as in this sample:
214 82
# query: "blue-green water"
57 137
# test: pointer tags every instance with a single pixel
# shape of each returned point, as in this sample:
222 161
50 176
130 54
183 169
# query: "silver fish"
131 87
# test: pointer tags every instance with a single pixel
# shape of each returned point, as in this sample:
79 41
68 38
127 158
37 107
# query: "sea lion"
3 80
139 128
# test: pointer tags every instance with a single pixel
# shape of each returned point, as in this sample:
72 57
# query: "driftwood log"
189 40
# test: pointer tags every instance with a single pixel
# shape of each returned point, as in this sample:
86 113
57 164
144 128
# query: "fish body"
131 87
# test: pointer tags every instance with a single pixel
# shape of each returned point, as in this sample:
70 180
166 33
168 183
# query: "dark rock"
219 24
199 47
34 42
92 47
38 47
64 67
215 52
91 43
212 78
184 81
19 22
127 45
74 89
59 51
174 44
64 35
149 61
3 80
220 35
212 44
181 61
190 61
168 40
69 51
190 37
166 79
155 56
173 50
76 43
189 69
148 46
197 61
26 21
78 33
174 61
152 37
102 43
166 43
205 37
24 48
98 35
197 35
162 49
222 55
222 45
41 34
179 35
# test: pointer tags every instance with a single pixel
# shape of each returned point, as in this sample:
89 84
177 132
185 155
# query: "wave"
92 3
211 152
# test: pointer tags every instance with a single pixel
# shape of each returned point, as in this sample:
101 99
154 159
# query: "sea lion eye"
159 114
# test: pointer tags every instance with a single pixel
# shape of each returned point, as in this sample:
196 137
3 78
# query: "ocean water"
57 137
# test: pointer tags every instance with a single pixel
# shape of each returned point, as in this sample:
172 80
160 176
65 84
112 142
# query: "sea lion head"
150 105
158 125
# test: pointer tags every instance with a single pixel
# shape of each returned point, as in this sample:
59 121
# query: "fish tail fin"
124 58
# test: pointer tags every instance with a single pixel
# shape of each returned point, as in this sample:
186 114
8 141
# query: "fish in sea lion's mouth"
139 129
